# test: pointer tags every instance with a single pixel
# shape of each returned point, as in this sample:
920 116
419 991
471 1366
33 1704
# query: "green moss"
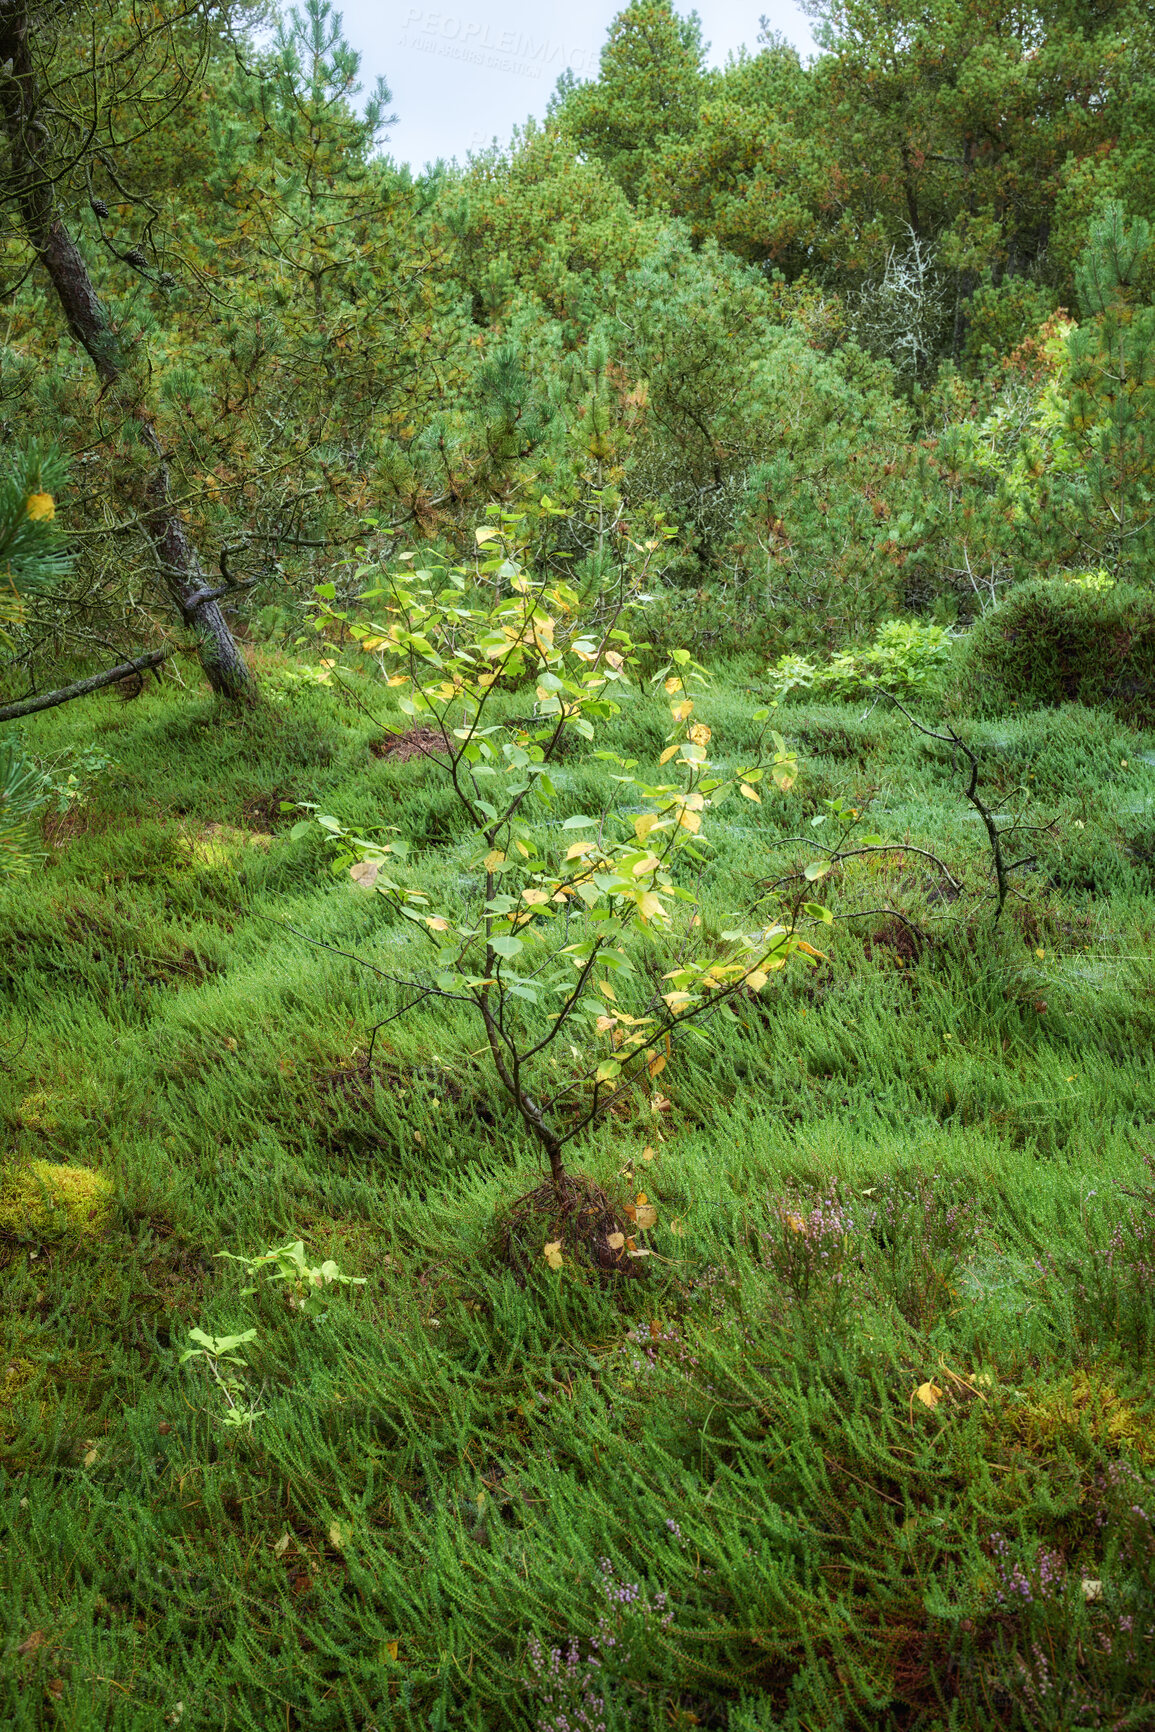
45 1201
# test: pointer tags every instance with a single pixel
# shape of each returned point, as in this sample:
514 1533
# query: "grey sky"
469 70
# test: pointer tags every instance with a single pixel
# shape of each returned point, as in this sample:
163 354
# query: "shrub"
1058 642
901 659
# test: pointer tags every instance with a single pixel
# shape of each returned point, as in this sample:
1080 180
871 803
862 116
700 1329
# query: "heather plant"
814 1244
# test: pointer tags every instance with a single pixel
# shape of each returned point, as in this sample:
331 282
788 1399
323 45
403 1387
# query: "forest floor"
870 1445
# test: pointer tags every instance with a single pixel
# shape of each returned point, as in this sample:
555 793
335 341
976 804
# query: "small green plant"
308 1283
565 910
902 658
218 1354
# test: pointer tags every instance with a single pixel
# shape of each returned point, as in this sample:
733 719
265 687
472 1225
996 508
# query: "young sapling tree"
570 932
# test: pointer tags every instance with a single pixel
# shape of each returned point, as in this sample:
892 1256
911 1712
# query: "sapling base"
575 1216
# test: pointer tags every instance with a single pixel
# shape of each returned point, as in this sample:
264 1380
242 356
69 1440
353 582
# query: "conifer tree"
29 186
648 90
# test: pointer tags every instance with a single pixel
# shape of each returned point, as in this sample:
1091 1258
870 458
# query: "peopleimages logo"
486 45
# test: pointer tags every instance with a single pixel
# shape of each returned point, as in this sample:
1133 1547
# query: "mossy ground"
791 1479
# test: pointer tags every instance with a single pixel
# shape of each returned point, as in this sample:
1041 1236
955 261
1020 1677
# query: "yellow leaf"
810 951
90 1458
391 1649
750 793
282 1545
669 753
795 1223
40 507
576 850
691 821
650 906
647 1153
682 710
616 1241
607 990
656 1065
365 873
645 821
929 1394
399 680
493 860
678 1226
435 923
700 734
674 684
605 1023
756 980
646 1217
484 534
338 1536
552 1254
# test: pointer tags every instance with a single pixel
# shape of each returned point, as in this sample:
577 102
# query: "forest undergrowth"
867 1445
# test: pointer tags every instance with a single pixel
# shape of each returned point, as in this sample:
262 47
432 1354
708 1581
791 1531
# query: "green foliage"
904 656
1051 643
868 1446
555 920
220 1359
649 79
306 1280
1001 316
21 803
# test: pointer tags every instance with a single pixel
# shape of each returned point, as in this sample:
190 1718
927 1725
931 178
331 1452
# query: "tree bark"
31 186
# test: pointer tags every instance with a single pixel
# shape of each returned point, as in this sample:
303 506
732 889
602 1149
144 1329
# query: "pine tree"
648 89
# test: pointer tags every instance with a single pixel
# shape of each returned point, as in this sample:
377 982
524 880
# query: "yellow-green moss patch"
45 1201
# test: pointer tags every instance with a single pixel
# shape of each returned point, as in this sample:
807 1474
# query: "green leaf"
507 946
816 869
817 912
578 823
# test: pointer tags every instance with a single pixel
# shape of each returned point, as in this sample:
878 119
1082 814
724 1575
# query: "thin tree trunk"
81 688
31 185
